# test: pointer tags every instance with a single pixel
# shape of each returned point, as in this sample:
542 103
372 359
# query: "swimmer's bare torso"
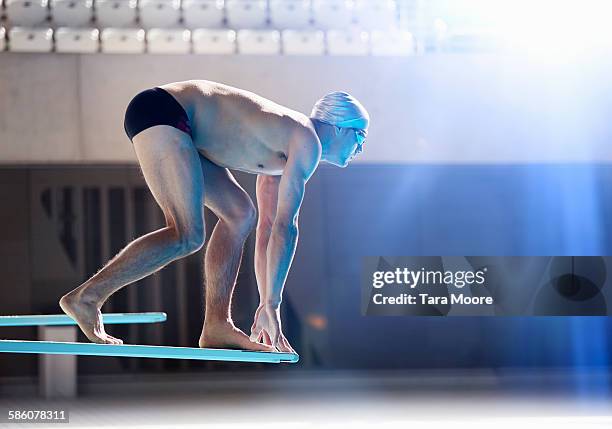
238 129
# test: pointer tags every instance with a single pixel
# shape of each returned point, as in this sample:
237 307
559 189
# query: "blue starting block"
58 335
143 351
64 320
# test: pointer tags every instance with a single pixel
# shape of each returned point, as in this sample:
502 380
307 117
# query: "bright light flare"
546 28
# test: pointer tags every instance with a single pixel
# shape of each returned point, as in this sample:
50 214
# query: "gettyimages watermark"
485 285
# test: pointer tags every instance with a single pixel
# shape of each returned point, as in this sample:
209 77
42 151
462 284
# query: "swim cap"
341 109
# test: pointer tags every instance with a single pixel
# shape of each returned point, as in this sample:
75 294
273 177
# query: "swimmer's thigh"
171 168
225 197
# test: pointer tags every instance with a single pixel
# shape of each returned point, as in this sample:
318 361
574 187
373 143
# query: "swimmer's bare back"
238 129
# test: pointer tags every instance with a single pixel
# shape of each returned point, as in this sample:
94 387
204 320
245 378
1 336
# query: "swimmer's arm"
303 159
267 199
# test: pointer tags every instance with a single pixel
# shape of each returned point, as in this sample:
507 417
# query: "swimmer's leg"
172 170
237 214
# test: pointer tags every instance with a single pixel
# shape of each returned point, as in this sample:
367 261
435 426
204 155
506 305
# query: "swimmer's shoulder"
305 146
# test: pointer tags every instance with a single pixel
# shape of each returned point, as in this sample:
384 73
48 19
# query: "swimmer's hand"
267 328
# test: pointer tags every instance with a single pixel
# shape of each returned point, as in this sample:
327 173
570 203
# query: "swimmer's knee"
250 217
192 243
242 218
189 241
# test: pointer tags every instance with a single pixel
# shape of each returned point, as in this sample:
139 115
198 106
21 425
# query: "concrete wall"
431 109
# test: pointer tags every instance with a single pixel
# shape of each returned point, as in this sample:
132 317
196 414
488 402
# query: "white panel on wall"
347 42
332 14
392 43
122 40
424 109
25 39
203 13
71 13
259 42
207 41
168 41
290 14
39 108
2 38
376 15
26 12
77 40
297 42
160 13
246 13
116 13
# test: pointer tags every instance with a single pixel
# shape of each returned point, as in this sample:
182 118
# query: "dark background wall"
368 209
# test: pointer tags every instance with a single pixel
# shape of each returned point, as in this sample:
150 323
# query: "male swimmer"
187 136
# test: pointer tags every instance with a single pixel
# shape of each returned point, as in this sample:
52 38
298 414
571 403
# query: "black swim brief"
152 107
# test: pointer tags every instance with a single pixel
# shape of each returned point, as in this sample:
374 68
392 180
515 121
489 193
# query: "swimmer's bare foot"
224 335
88 316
